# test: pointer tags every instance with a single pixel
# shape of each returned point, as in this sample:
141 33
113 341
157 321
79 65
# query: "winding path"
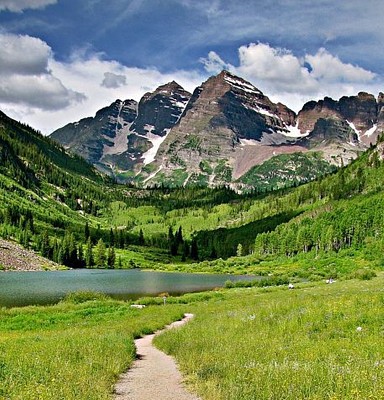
154 375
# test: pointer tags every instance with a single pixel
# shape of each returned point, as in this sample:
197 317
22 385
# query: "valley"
293 219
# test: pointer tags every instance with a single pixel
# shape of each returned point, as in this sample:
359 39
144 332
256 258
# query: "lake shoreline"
41 288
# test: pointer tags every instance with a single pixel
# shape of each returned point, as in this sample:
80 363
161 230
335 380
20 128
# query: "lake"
49 287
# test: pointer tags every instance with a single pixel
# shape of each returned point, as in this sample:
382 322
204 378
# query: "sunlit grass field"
316 341
71 351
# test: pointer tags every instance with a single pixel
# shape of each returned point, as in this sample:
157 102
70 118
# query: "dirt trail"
154 375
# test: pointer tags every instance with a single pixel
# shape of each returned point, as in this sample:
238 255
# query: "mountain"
126 134
57 204
220 133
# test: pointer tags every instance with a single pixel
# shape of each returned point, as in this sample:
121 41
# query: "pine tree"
185 251
179 235
44 244
239 250
88 254
80 257
141 238
194 250
111 257
86 231
111 238
100 254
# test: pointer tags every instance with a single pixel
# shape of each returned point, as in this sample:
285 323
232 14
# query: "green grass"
317 341
313 342
142 257
71 351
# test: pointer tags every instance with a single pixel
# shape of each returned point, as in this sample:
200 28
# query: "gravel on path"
154 375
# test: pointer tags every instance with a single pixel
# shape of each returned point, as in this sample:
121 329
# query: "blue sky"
62 60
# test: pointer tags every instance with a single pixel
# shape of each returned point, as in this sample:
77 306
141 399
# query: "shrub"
363 274
84 296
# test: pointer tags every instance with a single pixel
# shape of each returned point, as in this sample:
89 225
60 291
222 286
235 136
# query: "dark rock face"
380 114
119 135
159 111
360 112
89 136
330 130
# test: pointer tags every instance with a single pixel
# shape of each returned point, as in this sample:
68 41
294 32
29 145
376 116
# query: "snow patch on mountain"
371 131
293 131
240 84
353 127
259 110
156 140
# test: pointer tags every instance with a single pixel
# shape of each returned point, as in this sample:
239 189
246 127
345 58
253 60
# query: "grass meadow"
71 350
316 341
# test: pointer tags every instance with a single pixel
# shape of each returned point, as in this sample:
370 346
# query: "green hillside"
287 170
44 191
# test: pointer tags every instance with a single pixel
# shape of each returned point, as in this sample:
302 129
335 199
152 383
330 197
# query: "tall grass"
313 342
74 350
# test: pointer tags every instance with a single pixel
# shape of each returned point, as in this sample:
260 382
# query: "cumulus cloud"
291 79
25 76
273 65
21 5
44 92
214 63
23 55
329 68
113 81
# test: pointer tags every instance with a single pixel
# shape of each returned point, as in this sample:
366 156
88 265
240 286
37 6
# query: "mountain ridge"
220 132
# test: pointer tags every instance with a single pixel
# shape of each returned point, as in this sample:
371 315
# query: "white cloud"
214 63
293 80
44 92
23 54
329 68
273 65
113 81
20 5
25 77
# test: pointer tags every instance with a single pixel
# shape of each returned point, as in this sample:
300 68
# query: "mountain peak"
237 83
169 88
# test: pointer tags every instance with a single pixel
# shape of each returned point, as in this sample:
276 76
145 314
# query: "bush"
269 281
84 296
363 274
